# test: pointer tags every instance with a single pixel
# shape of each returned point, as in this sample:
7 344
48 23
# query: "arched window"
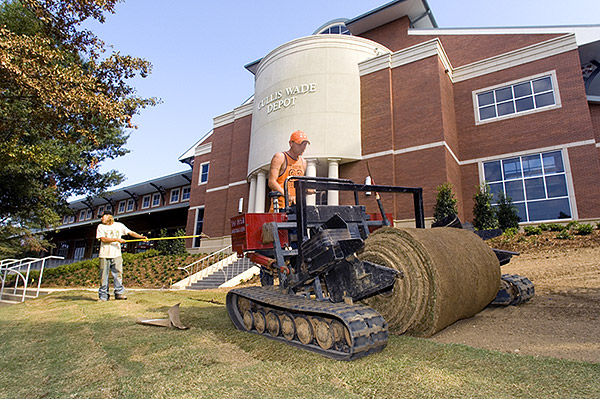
336 29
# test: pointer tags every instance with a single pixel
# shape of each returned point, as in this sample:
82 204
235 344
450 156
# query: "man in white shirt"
109 233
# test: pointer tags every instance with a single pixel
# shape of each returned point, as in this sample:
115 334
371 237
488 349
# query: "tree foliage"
171 247
508 216
65 107
445 204
484 214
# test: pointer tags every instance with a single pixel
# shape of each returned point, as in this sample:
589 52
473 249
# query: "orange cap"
299 137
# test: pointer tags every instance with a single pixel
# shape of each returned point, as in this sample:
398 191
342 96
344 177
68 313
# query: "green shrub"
532 230
556 227
544 226
564 235
484 214
171 247
508 214
511 232
584 229
572 225
445 203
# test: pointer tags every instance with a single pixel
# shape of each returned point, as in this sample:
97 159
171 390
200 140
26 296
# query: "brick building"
518 108
146 208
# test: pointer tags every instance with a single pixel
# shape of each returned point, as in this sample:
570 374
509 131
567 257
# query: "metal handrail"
9 267
195 267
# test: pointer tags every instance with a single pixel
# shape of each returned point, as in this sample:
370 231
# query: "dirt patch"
562 320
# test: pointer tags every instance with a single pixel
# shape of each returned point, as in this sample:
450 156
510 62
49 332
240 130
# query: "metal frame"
17 266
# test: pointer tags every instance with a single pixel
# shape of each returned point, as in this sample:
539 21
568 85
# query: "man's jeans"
115 266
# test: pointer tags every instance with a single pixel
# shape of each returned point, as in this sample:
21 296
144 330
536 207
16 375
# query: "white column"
252 194
333 197
311 171
261 191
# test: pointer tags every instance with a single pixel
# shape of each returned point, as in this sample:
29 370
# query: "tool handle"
162 238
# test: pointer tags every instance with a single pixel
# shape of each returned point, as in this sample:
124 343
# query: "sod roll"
449 274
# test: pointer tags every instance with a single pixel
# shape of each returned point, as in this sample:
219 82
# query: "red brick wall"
228 164
586 172
567 124
417 103
461 49
469 184
376 112
595 114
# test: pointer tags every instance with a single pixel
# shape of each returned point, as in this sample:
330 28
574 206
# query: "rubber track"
368 330
514 290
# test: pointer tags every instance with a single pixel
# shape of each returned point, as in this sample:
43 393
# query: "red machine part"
246 231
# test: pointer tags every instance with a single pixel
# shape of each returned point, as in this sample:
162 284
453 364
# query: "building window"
65 219
100 210
130 205
82 214
108 208
89 214
155 199
198 227
536 183
534 94
339 29
146 202
185 194
121 206
174 195
203 173
72 219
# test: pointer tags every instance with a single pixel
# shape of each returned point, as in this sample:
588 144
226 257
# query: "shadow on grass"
76 298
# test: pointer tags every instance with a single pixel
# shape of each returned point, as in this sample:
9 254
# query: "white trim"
191 208
555 91
477 160
152 200
593 99
189 188
378 154
231 116
568 177
525 152
584 33
420 51
237 183
419 147
149 201
571 187
132 202
514 58
171 195
496 63
203 149
405 56
200 182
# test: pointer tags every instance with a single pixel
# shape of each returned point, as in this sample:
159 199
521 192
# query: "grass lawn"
68 345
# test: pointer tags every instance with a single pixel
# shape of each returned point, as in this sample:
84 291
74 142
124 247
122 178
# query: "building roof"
418 12
177 179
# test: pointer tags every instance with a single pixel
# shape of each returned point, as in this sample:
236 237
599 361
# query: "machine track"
514 290
336 330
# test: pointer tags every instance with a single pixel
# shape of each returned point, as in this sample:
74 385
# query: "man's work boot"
120 297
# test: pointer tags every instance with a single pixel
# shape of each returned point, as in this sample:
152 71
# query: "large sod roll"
449 274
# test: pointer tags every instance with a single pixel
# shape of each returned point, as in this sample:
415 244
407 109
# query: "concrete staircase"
228 276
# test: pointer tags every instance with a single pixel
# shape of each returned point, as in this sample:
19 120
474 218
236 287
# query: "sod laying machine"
346 279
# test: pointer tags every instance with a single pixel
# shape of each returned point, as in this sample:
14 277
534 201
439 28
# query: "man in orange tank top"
288 163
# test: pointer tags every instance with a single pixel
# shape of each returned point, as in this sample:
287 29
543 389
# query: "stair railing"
202 265
21 268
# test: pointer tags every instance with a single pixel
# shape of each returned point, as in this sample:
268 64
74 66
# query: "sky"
198 50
